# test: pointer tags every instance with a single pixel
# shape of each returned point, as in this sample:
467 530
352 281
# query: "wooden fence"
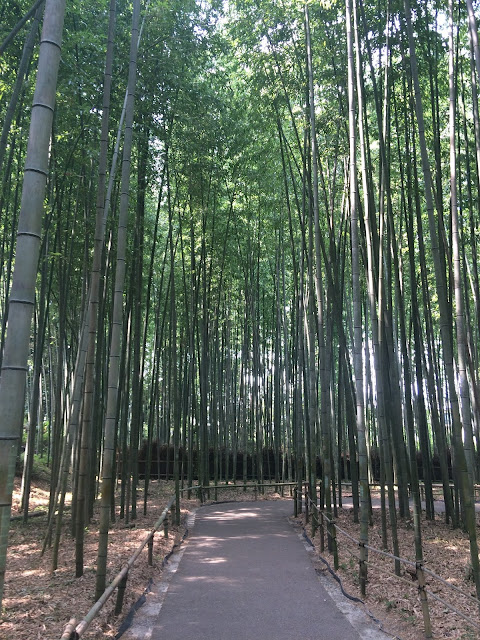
74 630
320 522
416 570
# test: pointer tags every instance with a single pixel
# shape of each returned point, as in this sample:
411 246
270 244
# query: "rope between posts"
327 518
374 566
386 554
345 593
344 533
354 555
391 556
389 573
373 549
452 586
449 606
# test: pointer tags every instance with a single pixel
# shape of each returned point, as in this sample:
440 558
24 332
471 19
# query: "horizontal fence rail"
258 487
74 630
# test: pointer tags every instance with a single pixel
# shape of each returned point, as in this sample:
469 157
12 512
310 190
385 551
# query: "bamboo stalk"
363 568
333 542
121 594
150 552
423 600
322 533
69 630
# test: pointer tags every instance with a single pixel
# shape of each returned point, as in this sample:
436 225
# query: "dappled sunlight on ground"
38 603
214 560
229 582
221 516
395 601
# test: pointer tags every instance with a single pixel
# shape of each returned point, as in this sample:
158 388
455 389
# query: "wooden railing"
75 630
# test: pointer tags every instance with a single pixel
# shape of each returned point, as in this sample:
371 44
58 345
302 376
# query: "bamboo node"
43 173
22 301
42 104
52 42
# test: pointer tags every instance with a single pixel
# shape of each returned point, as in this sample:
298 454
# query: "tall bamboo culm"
116 337
22 296
357 306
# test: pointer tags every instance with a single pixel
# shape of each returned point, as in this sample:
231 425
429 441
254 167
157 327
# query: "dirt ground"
38 603
394 600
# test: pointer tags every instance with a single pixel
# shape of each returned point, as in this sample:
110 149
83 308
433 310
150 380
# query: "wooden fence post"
362 569
150 552
299 498
329 534
295 506
333 539
423 600
322 533
314 519
120 594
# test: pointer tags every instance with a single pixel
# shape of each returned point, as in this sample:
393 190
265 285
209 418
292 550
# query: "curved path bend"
245 574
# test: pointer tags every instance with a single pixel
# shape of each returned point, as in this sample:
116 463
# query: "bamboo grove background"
258 252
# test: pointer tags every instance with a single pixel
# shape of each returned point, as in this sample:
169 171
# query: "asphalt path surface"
439 505
245 575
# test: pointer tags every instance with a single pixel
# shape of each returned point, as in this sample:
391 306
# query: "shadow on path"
245 575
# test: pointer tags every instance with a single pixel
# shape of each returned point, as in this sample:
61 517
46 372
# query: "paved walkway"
439 505
245 575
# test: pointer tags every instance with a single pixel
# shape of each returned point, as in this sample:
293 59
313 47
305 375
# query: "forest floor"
38 603
394 600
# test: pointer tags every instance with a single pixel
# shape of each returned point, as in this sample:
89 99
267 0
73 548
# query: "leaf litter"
38 603
394 601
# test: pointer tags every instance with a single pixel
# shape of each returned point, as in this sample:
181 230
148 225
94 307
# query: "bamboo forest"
239 244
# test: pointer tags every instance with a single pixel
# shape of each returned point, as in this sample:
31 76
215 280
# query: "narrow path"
245 575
